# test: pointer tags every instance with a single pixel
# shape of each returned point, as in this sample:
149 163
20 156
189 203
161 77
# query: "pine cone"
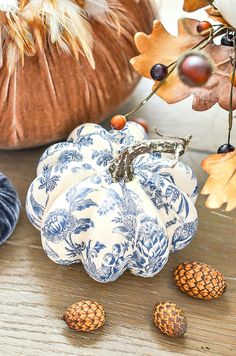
170 319
199 280
85 315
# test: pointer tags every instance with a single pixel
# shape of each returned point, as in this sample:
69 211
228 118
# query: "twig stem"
232 92
151 94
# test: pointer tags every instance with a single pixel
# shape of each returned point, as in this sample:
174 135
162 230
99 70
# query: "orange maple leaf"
215 15
221 183
161 47
193 5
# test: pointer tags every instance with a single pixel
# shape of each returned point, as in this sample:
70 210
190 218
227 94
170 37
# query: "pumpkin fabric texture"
44 100
9 208
84 216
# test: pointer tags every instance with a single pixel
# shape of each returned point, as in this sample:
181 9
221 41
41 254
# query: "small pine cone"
85 315
199 280
170 319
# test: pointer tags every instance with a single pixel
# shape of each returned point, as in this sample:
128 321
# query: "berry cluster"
194 69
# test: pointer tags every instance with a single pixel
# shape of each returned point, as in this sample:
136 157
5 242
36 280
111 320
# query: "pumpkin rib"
111 225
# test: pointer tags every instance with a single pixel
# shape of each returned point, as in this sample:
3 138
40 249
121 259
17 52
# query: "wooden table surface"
35 292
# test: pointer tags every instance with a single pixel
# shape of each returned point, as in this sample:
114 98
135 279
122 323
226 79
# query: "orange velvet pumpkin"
52 93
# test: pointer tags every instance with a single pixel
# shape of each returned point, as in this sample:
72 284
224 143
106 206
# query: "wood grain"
35 292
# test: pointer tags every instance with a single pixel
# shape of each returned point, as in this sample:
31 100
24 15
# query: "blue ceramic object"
111 226
9 208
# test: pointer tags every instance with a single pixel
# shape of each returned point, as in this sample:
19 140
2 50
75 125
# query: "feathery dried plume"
8 5
25 25
100 8
65 23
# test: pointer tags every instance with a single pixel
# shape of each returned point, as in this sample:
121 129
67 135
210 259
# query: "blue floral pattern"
47 180
58 225
110 227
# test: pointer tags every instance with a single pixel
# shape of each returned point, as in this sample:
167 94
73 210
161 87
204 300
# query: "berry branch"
161 72
153 91
232 91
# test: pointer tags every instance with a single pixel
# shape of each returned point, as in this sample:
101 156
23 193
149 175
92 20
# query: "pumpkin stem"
122 169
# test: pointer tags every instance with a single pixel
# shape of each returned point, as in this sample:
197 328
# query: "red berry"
204 27
118 122
159 72
194 69
233 79
141 122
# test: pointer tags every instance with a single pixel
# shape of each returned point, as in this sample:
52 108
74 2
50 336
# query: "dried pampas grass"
26 25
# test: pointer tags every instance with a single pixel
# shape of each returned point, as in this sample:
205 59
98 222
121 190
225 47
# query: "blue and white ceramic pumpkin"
84 215
9 208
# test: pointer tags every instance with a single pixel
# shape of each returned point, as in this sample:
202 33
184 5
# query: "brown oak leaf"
215 15
221 183
162 47
193 5
217 89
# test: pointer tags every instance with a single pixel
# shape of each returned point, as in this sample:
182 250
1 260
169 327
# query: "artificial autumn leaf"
217 89
215 15
193 5
221 183
162 47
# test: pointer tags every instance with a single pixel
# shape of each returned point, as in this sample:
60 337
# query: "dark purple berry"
226 148
159 72
227 40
